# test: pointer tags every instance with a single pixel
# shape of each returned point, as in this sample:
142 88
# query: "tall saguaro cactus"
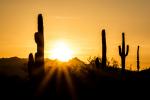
122 52
104 49
39 39
138 60
36 66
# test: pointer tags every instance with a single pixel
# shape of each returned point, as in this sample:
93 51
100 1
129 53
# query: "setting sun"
61 51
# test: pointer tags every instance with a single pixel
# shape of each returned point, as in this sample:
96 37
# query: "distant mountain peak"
77 60
15 57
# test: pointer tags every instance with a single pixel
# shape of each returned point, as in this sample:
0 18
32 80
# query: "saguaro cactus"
122 52
39 39
36 67
103 49
138 61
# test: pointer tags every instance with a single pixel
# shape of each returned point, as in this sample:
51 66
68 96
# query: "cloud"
64 17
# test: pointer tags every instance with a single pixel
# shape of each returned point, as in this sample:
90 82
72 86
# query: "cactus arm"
127 50
36 37
120 50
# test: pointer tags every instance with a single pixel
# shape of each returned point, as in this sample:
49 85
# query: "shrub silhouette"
36 66
122 52
138 61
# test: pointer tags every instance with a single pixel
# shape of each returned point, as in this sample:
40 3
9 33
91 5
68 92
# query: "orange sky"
79 24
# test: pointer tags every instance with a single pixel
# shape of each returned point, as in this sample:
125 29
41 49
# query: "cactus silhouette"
122 52
30 65
39 39
138 61
103 49
36 66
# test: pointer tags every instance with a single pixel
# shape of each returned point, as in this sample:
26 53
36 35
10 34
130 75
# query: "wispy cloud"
64 17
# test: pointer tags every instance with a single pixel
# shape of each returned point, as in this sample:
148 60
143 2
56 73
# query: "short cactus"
30 65
97 63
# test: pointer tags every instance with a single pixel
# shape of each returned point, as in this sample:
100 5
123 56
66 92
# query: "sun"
61 51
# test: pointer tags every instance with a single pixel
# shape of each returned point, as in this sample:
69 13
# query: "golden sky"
79 24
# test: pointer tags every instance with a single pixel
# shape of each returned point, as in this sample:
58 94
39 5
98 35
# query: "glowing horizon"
61 51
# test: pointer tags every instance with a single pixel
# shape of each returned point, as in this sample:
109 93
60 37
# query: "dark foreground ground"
75 82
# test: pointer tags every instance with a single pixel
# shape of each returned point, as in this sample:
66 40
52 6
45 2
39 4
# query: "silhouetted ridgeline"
14 66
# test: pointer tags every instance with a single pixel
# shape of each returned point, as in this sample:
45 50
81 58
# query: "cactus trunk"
123 63
103 49
138 61
122 52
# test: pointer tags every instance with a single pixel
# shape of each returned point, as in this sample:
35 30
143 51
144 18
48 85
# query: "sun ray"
59 73
70 83
46 79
